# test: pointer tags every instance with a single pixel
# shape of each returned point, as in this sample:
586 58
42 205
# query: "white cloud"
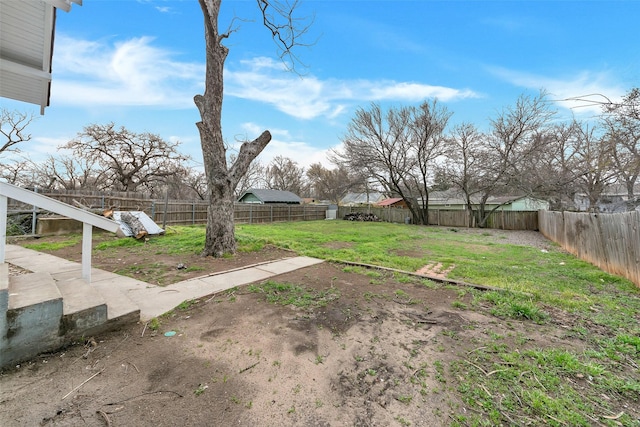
583 84
283 144
300 152
134 72
131 72
308 97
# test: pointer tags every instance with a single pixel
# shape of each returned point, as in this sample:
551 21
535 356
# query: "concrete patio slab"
125 295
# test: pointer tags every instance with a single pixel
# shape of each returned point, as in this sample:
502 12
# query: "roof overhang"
27 30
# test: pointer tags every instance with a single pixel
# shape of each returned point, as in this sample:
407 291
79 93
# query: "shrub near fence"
609 241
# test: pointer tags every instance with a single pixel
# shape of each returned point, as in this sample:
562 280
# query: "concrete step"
84 308
33 317
26 290
121 309
4 299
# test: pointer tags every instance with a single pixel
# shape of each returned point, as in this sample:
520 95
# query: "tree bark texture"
221 179
134 224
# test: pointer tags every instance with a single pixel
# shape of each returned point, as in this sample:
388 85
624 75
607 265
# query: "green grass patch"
70 240
296 295
542 386
537 278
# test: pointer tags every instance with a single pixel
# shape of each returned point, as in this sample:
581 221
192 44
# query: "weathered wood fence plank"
505 220
181 212
609 241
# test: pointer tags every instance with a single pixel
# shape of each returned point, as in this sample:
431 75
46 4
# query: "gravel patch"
511 237
14 270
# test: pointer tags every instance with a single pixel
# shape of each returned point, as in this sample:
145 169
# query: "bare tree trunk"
221 179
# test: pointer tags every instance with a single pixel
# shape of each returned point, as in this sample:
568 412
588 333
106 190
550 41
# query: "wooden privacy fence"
609 241
181 212
505 220
250 213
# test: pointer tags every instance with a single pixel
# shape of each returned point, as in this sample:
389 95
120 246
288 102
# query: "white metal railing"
88 219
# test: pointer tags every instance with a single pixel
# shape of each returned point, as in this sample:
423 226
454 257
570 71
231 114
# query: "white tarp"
149 225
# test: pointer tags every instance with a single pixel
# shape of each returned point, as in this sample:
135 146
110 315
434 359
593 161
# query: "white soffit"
27 29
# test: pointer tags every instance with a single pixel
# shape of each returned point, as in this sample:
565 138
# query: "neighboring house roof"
389 202
361 198
27 29
269 196
454 198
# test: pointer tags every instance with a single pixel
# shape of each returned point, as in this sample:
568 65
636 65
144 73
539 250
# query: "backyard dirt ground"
369 349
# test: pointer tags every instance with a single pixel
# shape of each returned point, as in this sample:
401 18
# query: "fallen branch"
83 383
248 367
476 366
143 394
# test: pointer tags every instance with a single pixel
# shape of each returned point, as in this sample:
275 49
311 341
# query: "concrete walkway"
124 293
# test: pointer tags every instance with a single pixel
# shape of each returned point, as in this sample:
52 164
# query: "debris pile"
361 216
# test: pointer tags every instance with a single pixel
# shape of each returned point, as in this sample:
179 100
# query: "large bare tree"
284 174
330 184
467 155
398 148
595 157
222 178
69 173
499 163
622 123
131 161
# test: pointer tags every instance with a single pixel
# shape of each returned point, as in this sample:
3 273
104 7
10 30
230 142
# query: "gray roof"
272 196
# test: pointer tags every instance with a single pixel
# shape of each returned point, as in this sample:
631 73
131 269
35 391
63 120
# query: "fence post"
34 215
289 206
193 213
271 213
251 213
166 207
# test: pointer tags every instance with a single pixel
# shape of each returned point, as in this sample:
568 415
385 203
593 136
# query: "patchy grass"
291 294
70 240
504 381
553 278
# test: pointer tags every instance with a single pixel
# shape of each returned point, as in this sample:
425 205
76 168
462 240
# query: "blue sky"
139 64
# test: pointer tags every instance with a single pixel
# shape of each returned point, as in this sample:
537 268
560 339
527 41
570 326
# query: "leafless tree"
222 178
501 162
330 184
595 157
622 124
517 136
398 149
284 174
12 127
17 172
552 172
196 181
130 161
464 167
376 144
69 173
427 142
255 177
